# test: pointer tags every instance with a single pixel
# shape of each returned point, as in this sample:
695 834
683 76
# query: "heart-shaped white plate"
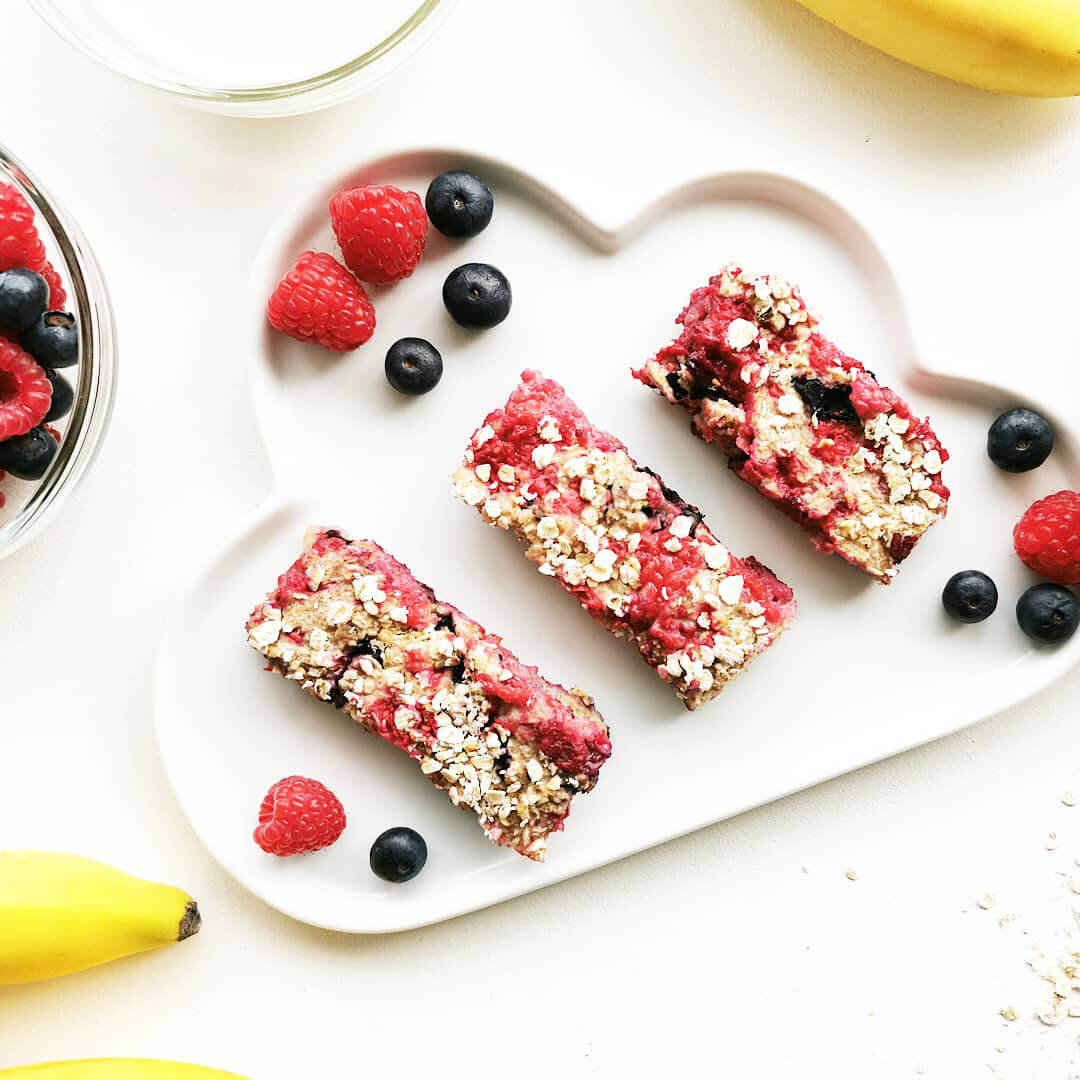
865 671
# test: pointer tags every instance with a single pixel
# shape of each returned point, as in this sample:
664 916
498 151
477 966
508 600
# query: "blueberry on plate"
24 295
459 203
413 366
1048 614
398 854
63 396
1019 440
28 456
52 340
477 296
970 596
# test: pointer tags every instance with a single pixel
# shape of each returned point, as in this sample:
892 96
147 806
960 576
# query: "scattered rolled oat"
852 873
986 901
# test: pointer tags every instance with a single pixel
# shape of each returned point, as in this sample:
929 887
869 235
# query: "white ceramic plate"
865 671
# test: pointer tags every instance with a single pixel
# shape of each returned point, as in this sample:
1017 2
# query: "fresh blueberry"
398 855
1048 614
477 296
413 366
970 596
24 295
1019 440
459 203
63 396
52 340
28 456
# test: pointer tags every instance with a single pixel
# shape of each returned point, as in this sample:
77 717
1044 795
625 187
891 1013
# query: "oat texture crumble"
635 555
805 424
352 626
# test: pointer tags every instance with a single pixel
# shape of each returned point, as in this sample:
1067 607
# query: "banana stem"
190 923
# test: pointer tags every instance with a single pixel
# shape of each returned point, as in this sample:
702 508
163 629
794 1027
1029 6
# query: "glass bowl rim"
96 390
195 93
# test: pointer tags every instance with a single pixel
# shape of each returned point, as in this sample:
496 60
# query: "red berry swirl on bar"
806 425
352 626
637 557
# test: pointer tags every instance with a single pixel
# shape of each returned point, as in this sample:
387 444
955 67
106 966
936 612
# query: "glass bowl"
257 58
28 506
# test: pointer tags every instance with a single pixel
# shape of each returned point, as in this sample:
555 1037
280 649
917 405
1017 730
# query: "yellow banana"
115 1069
62 913
1027 47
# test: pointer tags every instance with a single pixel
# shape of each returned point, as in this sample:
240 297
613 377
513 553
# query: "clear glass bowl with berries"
261 57
57 355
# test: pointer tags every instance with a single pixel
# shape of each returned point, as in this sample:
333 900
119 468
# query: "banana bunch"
1027 47
115 1069
62 913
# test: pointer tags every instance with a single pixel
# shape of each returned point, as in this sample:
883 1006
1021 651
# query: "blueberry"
826 401
28 456
1019 440
477 296
398 854
459 203
413 366
63 397
1048 613
24 295
970 596
52 340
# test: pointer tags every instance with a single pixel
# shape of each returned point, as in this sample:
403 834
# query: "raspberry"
25 391
57 295
381 230
1047 537
20 245
299 815
319 300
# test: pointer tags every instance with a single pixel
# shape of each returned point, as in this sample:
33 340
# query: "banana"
115 1069
1029 47
62 913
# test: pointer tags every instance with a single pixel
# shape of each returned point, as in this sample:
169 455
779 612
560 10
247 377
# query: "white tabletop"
745 947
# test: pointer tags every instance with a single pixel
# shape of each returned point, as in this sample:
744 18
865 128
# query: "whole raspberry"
381 230
299 815
25 391
57 295
1047 537
320 301
20 245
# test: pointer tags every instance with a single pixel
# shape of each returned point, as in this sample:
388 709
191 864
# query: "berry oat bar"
352 626
808 426
638 558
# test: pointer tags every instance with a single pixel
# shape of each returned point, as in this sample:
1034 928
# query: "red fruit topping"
57 294
25 391
1047 537
320 301
20 245
299 815
381 230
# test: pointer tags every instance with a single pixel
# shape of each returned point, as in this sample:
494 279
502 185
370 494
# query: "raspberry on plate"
20 245
381 229
1047 537
299 815
25 391
320 301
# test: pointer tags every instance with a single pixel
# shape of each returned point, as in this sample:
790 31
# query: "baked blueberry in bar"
808 426
637 557
352 626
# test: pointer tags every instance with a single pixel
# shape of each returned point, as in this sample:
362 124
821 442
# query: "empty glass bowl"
249 57
28 505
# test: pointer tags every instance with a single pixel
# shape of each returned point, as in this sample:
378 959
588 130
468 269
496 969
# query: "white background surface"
742 950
